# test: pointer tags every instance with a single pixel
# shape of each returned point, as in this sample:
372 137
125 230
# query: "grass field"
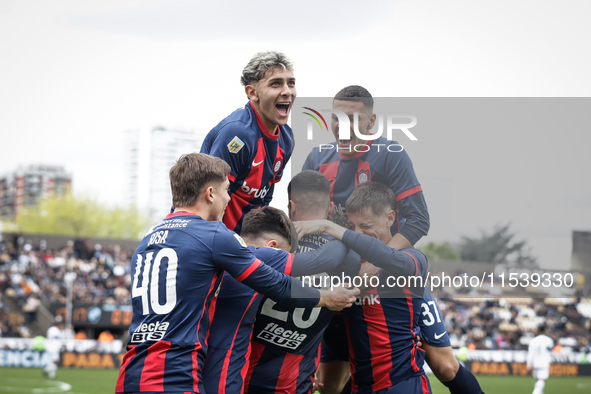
72 381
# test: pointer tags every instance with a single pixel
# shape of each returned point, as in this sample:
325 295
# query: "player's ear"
272 243
291 209
208 193
372 121
391 218
251 93
330 209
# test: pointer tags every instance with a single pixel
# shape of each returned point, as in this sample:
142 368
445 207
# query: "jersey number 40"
152 282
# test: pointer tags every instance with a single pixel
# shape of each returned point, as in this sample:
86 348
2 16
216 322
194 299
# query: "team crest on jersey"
239 238
277 166
362 177
235 145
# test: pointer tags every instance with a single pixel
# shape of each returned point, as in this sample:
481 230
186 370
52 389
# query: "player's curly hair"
269 221
262 62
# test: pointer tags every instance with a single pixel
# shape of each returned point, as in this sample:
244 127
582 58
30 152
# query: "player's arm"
309 163
409 199
369 248
239 262
323 259
269 195
231 144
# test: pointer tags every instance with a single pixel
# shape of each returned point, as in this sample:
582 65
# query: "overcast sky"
75 74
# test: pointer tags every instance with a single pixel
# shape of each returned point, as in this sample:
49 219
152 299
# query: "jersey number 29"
152 281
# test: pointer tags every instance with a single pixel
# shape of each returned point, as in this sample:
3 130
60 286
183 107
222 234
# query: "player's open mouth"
344 142
283 108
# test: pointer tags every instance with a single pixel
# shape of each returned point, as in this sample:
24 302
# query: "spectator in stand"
106 336
81 335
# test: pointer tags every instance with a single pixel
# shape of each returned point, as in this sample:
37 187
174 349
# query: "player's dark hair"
269 221
542 328
310 190
191 173
340 218
356 93
374 195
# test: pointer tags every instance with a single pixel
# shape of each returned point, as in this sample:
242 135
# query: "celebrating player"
271 237
382 325
286 340
255 140
176 269
346 168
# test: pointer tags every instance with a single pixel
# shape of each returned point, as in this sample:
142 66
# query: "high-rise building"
27 185
149 155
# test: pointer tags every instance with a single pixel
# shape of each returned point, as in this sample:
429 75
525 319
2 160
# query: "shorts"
433 330
335 345
542 373
414 385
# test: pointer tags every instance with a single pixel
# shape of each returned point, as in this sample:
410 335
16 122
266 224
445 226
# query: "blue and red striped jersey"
256 157
393 169
286 340
229 342
175 272
383 324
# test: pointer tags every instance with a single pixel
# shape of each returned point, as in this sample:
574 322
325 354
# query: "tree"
81 217
440 251
497 247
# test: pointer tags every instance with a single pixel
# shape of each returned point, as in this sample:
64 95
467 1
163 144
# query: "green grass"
522 385
83 381
30 381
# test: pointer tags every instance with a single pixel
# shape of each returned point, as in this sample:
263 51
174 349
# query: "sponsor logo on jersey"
367 299
254 191
149 332
279 336
235 145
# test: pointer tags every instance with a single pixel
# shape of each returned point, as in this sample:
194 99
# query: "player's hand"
311 227
338 299
318 386
369 269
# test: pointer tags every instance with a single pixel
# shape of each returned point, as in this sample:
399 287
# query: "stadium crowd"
34 274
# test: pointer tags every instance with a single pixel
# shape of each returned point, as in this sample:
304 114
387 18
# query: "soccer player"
539 357
53 345
346 169
256 141
176 270
271 237
382 326
281 363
